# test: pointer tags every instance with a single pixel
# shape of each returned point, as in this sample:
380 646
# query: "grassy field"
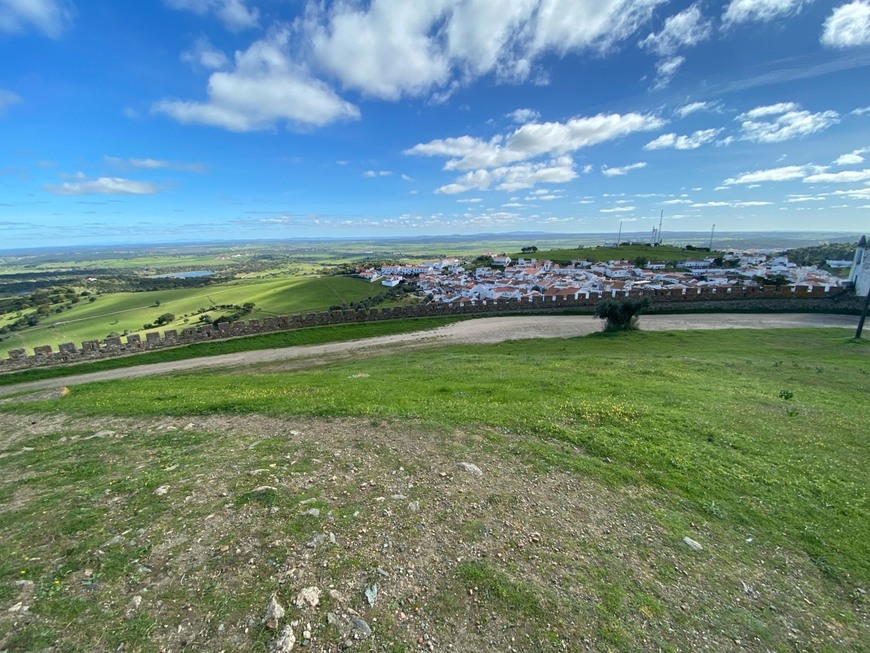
599 454
117 312
623 252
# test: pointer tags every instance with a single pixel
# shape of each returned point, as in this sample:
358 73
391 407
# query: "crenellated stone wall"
707 299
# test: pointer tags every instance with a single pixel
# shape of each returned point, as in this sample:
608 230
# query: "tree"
641 261
621 315
166 318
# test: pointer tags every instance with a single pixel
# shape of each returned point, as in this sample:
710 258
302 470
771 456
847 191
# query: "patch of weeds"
786 395
32 637
473 530
266 496
79 520
502 591
135 633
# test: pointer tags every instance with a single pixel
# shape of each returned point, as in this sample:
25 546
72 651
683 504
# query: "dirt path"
479 331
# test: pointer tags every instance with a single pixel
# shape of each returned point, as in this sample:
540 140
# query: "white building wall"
860 273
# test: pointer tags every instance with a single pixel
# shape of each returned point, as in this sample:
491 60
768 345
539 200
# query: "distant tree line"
392 294
818 254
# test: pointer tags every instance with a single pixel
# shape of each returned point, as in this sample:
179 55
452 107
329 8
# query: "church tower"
860 273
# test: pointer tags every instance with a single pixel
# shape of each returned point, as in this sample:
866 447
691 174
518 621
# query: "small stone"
348 643
414 506
285 642
135 602
16 608
274 613
306 634
118 539
305 502
163 489
312 512
361 625
308 596
382 572
337 596
264 488
372 594
295 433
315 540
332 538
692 544
190 427
471 468
331 619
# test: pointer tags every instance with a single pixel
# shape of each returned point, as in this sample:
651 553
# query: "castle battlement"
702 298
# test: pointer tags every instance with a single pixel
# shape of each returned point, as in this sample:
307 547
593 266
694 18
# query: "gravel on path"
478 331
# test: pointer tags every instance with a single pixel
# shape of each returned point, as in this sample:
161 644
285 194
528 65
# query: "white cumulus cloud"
514 177
234 14
845 176
203 54
392 48
685 29
690 142
535 139
81 185
153 164
624 170
265 88
852 158
522 116
694 107
760 11
666 69
51 17
785 173
784 121
848 26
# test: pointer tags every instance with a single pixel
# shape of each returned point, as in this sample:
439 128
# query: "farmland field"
120 312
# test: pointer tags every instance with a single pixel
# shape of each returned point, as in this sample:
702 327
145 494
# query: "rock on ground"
274 613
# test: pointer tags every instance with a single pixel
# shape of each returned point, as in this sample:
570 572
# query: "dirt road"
479 331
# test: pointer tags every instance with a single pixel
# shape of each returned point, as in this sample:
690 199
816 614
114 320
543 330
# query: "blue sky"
182 120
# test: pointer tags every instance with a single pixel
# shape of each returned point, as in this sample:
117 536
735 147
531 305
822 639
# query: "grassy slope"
756 440
693 413
119 311
627 252
296 337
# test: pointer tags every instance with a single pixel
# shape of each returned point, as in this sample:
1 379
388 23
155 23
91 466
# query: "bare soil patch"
187 527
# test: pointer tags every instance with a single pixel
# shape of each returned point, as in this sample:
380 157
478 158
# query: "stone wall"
744 299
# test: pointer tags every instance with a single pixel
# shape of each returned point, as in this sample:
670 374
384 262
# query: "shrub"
621 315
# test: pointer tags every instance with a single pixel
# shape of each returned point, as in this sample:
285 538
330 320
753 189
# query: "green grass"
753 442
117 312
692 413
309 336
627 252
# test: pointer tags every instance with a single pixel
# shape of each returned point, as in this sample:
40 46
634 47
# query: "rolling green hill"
626 252
117 312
